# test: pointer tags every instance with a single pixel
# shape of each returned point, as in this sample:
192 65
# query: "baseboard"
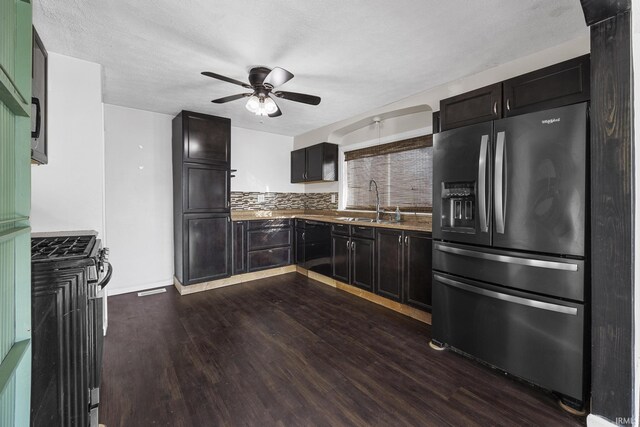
414 313
138 288
231 280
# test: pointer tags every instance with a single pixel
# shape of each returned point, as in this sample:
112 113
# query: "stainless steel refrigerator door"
539 181
536 338
552 276
463 157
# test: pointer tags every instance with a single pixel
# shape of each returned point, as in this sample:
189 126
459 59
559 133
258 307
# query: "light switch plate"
333 198
260 198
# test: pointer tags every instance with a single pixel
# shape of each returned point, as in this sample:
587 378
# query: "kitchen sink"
369 220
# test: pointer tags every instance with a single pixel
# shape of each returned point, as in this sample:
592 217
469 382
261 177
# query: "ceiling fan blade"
278 76
226 79
231 98
277 112
298 97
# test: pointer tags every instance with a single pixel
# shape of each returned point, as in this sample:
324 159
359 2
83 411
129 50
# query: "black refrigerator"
509 267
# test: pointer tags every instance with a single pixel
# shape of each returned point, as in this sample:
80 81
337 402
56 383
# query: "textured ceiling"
357 55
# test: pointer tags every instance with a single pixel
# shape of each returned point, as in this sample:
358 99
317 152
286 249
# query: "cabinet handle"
353 246
348 247
406 240
228 219
508 106
495 108
400 239
303 236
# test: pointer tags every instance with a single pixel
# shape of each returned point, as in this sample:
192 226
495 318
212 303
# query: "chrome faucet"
378 210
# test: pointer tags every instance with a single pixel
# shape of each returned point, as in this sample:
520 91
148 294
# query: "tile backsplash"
255 201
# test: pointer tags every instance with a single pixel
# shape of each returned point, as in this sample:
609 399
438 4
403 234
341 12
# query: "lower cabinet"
207 247
268 244
239 264
403 267
417 277
353 260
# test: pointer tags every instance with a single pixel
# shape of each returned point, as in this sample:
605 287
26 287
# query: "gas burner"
61 247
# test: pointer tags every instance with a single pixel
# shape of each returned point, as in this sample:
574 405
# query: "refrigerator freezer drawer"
553 276
538 339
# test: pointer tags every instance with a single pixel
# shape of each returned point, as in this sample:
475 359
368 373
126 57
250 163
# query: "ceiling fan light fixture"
253 104
270 106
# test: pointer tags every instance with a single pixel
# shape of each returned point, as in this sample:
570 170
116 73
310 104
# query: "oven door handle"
105 280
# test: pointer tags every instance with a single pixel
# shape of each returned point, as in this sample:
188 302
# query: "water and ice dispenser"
458 206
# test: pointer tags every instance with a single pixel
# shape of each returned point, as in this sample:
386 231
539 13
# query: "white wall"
262 161
68 193
139 204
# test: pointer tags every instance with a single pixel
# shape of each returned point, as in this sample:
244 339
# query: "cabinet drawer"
268 223
362 231
340 229
269 258
268 238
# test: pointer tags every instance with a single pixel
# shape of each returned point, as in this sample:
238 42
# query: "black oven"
69 275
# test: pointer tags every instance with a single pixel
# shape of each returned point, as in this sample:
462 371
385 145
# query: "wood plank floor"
289 351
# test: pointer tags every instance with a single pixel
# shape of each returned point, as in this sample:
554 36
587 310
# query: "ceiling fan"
262 81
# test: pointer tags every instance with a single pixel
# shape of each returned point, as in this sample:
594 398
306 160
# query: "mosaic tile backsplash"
241 200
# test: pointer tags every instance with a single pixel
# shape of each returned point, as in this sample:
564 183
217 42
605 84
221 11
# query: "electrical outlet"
333 198
260 198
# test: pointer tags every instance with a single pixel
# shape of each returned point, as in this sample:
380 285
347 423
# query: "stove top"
58 248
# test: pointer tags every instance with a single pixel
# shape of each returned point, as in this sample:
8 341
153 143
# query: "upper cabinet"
477 106
560 84
38 101
206 139
550 87
316 163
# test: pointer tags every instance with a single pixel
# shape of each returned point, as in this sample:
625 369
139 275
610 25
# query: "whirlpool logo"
551 121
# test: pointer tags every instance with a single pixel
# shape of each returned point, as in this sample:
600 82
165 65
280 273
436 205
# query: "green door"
15 205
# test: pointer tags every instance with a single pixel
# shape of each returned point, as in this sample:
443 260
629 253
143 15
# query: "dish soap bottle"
397 213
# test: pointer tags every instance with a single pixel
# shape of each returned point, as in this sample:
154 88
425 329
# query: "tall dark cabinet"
201 197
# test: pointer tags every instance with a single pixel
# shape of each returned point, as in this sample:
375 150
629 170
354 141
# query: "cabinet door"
239 248
560 84
207 138
477 106
207 246
363 263
298 165
389 263
417 269
39 102
315 161
340 257
206 188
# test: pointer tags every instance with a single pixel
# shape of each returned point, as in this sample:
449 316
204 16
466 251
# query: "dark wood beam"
612 192
598 10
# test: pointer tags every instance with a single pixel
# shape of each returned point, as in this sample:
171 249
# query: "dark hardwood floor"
289 351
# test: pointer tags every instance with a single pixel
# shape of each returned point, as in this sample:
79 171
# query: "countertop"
412 222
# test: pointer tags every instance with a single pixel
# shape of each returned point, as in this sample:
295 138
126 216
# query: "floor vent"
152 292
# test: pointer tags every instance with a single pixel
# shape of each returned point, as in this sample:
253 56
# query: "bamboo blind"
403 171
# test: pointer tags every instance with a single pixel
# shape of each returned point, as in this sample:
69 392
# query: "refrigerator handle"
509 298
499 183
529 262
482 184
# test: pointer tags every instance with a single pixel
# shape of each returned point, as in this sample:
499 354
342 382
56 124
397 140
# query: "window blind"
402 170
